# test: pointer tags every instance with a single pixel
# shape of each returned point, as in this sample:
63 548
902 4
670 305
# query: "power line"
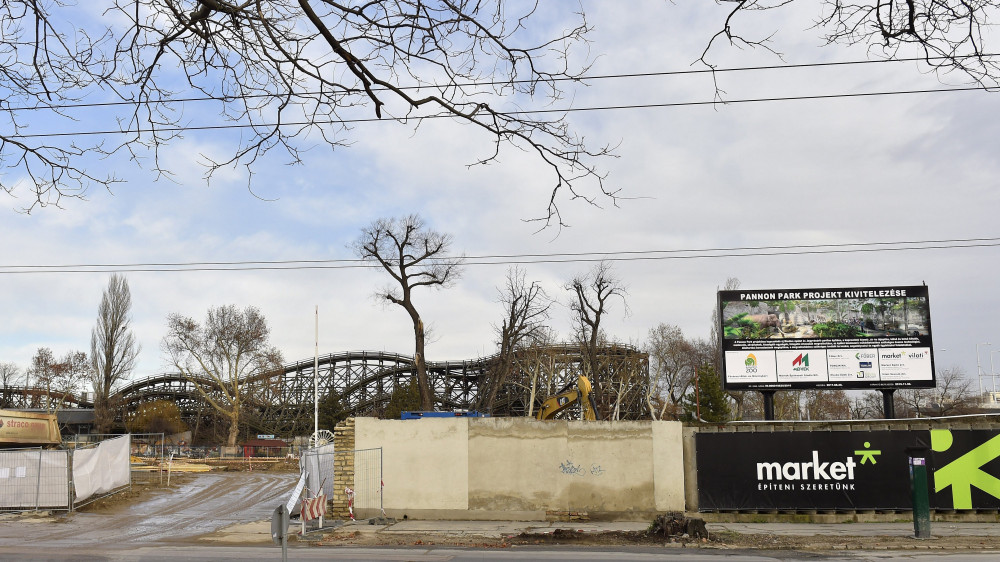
583 78
523 112
519 259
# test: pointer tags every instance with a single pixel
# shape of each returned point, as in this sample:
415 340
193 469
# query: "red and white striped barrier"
350 502
314 508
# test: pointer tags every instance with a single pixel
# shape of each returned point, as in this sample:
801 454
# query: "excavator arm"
582 395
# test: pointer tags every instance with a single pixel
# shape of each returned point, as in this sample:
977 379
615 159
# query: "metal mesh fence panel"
367 482
319 464
336 472
147 455
33 479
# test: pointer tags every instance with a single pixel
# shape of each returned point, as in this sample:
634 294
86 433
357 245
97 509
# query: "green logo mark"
868 454
965 472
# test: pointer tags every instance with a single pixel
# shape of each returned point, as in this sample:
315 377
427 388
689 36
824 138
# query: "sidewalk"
938 529
495 529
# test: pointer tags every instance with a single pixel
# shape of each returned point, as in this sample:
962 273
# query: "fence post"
69 479
38 481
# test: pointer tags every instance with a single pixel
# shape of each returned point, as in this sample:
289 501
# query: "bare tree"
738 398
673 362
948 36
953 395
414 257
626 381
867 405
221 356
10 376
113 347
592 294
536 361
286 72
786 405
526 309
826 405
60 379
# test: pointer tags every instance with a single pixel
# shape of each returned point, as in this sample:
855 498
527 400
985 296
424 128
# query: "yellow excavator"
583 395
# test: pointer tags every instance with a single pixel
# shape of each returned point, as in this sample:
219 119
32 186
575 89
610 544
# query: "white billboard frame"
831 338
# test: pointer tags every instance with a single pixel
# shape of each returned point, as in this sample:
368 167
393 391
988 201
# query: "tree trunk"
423 383
234 429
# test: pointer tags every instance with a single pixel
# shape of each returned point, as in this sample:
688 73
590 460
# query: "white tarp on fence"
318 463
34 479
101 469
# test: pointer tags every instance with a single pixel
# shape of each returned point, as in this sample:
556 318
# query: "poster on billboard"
845 337
846 470
836 470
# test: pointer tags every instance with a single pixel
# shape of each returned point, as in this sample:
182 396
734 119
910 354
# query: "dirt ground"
727 540
142 491
214 506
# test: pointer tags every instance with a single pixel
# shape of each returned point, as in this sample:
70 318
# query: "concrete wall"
518 468
425 463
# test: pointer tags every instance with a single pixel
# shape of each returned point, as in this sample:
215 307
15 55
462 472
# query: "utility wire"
517 259
583 78
524 112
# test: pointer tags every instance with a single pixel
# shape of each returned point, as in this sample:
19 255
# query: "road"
173 553
173 525
210 502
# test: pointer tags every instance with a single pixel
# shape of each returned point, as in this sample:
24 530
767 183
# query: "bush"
836 330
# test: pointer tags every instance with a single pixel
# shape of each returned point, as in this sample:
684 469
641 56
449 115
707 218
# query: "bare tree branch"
291 71
221 356
414 256
952 37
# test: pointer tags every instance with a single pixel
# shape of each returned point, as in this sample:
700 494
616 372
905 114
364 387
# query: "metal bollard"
918 493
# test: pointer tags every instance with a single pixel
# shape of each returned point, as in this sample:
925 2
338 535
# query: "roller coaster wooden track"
363 381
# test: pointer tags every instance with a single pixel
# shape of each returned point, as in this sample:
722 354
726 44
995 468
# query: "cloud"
692 177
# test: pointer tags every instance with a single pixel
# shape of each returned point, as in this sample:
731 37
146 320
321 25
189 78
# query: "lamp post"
993 373
979 368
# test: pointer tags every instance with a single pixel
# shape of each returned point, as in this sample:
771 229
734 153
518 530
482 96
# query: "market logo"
829 475
965 472
868 455
915 355
751 363
822 476
892 356
801 363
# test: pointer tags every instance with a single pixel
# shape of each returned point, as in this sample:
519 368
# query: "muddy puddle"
204 504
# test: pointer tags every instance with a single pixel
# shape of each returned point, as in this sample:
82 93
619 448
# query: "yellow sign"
28 428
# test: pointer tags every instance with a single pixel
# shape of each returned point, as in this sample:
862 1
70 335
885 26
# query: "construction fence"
351 479
146 454
36 479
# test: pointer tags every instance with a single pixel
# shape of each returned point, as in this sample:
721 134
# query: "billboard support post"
888 403
768 404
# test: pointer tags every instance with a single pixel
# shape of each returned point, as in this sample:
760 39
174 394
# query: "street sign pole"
279 530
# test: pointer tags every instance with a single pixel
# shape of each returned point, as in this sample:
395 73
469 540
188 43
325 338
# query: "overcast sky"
889 168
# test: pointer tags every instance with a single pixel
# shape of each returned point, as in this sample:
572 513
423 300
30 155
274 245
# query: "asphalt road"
173 553
210 502
167 527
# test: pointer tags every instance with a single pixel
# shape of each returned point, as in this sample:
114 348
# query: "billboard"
836 470
846 337
845 470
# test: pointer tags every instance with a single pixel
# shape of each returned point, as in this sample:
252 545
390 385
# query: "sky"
874 169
